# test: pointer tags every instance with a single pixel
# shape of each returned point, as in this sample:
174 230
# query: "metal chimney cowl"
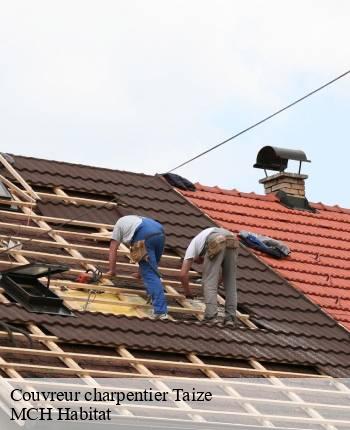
273 158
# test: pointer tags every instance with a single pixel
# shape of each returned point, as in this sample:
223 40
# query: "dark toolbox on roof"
22 284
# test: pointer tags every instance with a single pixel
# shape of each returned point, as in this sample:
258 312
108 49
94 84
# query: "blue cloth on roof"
149 267
266 244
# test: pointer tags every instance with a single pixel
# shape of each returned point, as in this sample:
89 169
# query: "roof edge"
268 198
66 163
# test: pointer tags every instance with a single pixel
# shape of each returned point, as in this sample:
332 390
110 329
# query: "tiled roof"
186 337
319 264
142 194
293 329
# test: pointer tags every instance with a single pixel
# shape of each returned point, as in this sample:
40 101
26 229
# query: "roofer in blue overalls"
146 238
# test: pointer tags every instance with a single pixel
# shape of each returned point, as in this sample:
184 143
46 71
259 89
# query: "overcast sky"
144 85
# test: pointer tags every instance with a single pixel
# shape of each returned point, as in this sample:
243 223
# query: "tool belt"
218 243
138 250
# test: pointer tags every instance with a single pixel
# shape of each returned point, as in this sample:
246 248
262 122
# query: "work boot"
211 320
155 316
229 321
163 317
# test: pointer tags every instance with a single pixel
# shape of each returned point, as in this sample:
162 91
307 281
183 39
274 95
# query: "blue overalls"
153 234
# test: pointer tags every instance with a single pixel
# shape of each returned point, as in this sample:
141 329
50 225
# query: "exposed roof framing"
56 220
18 177
12 187
64 197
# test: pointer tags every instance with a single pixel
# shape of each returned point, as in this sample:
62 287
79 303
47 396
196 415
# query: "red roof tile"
319 264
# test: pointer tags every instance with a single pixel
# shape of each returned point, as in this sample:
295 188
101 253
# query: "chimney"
288 187
291 183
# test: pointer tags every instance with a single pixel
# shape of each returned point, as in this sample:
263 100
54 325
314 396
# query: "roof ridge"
81 165
208 188
268 197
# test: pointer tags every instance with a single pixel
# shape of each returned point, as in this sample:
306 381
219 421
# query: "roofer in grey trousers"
217 249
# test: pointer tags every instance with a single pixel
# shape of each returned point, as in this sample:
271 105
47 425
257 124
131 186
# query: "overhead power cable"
118 199
260 122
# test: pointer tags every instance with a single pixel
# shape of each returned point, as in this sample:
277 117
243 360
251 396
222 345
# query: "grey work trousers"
225 262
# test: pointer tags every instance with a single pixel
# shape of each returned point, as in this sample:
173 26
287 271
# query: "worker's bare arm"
113 252
184 276
198 260
136 275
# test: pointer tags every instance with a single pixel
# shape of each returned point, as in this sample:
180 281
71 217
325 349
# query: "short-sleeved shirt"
125 228
197 244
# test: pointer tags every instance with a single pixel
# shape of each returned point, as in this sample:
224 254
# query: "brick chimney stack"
291 183
289 187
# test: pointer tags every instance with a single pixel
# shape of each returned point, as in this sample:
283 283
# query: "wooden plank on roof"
14 189
32 336
54 244
84 260
142 369
128 304
167 364
68 233
17 203
105 288
18 177
55 220
75 200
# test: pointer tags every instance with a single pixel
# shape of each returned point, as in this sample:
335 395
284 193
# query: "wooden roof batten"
13 172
